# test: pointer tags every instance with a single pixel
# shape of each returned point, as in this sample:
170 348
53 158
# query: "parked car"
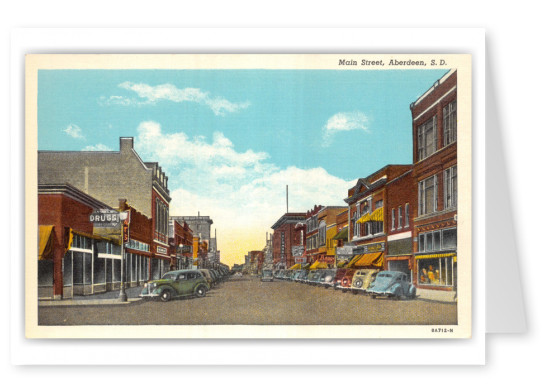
267 275
392 284
327 278
302 276
209 277
346 280
338 277
178 283
313 277
362 279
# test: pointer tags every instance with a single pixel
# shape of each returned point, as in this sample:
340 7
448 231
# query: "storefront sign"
161 250
346 250
297 251
370 248
105 218
185 248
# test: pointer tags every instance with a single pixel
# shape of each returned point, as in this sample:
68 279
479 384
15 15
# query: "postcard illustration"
253 195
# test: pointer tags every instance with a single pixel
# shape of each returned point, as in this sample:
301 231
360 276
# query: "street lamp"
180 252
122 294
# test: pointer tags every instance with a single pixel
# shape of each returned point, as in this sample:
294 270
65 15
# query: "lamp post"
122 294
180 256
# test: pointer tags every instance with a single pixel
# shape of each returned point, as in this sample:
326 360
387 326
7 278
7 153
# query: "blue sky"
230 140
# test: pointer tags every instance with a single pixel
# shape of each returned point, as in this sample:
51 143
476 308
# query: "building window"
322 235
428 195
436 271
406 222
427 140
376 227
393 219
449 238
450 123
450 187
399 217
437 240
378 204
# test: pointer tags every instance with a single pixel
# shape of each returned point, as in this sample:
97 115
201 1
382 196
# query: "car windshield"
267 272
170 276
384 275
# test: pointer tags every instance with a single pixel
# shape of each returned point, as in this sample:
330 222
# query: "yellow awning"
45 242
364 218
318 265
341 264
353 260
435 256
195 263
295 266
373 259
377 215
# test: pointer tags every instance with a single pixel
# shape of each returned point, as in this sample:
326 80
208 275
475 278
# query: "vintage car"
209 277
362 279
346 280
313 277
392 284
338 277
327 277
267 275
302 276
178 283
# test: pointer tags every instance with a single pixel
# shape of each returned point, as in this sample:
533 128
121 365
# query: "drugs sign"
105 218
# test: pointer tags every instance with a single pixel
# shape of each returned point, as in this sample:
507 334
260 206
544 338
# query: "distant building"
288 239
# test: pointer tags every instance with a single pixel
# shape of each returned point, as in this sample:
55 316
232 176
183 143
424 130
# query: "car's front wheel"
201 291
166 295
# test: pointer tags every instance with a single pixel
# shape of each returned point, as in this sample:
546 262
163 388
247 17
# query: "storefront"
436 259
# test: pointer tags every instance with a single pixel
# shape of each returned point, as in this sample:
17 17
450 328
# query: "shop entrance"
400 266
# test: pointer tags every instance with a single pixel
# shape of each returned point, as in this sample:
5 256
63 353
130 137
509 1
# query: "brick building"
434 128
327 230
112 175
313 234
288 238
181 244
369 215
72 260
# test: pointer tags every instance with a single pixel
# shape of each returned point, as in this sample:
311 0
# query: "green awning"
343 235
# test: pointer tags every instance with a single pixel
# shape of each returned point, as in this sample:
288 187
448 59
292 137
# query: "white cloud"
152 94
74 131
241 191
97 147
344 122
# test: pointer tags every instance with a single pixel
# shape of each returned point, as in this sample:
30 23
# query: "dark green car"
178 283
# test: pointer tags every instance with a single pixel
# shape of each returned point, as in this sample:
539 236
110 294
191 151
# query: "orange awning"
45 242
373 259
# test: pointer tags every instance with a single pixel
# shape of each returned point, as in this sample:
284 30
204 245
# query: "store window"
450 123
436 271
68 269
46 272
99 271
116 270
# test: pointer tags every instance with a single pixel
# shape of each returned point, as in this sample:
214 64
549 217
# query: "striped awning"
296 266
353 261
376 215
343 235
373 259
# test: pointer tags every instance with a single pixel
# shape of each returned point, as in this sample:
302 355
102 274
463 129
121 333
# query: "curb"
69 303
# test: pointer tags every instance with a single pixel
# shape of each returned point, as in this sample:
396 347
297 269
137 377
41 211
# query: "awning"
353 261
377 215
195 263
373 259
45 242
341 264
445 255
296 266
363 219
318 265
343 235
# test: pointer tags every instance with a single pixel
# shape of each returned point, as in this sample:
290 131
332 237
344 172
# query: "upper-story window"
450 123
322 234
428 195
393 219
406 216
378 204
427 139
450 187
399 217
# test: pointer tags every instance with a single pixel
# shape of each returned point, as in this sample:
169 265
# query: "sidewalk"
439 296
107 298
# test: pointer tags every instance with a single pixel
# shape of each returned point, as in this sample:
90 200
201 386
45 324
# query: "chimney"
122 204
126 143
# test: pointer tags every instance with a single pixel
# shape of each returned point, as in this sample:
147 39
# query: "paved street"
246 300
